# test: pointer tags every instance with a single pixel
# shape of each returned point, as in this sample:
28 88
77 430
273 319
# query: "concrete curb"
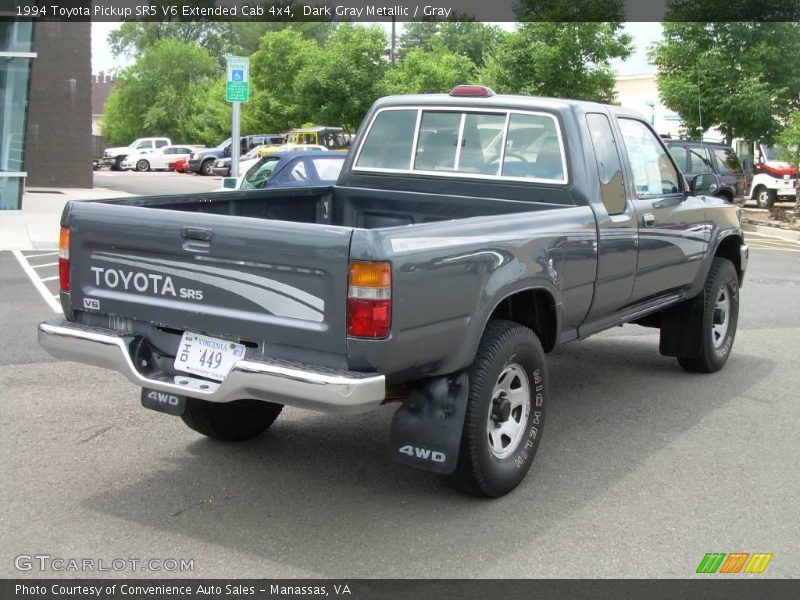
776 232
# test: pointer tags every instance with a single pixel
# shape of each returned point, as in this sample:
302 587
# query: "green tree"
429 72
156 94
339 88
789 143
732 10
567 60
464 37
743 78
274 73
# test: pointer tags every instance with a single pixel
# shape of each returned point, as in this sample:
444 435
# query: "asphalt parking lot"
642 470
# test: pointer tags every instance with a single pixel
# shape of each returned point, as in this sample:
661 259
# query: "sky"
643 34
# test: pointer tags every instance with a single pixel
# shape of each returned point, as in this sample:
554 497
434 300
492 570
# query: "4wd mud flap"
164 402
426 430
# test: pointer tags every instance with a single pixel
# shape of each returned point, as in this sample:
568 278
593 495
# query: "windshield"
254 151
224 145
772 153
259 173
727 161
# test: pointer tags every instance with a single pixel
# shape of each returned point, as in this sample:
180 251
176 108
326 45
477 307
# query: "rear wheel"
117 166
230 421
505 411
720 315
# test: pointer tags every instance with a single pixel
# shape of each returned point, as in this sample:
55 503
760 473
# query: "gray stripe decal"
275 303
270 284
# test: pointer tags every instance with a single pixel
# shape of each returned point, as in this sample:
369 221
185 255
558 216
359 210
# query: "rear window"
328 168
489 144
727 161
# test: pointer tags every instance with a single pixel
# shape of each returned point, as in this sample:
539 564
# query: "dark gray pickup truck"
468 235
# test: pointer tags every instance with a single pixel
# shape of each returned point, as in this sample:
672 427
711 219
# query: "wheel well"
533 308
727 194
729 248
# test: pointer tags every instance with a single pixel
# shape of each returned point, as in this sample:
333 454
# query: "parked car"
157 160
203 162
222 166
178 165
436 273
267 150
332 138
696 157
292 168
113 157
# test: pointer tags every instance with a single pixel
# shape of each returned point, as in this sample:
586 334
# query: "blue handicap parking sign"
237 74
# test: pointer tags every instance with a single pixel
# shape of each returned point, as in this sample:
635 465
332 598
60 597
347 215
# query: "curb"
776 232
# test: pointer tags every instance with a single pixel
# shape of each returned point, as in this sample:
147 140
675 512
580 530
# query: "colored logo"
735 562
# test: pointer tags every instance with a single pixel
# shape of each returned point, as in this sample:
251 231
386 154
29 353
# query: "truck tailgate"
256 280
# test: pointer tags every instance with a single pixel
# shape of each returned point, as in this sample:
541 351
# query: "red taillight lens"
369 300
63 260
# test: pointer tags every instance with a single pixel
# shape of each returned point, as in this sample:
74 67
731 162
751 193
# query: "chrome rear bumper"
294 384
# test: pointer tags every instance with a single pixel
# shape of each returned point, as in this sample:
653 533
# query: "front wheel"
230 421
142 166
720 316
765 198
505 411
207 167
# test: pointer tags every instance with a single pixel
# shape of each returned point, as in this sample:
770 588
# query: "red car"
181 166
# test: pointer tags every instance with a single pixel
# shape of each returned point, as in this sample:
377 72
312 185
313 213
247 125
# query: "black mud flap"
426 430
164 402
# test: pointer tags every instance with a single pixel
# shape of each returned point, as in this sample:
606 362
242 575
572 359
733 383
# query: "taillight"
63 260
369 300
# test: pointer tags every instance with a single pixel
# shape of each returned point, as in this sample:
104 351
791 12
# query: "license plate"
207 356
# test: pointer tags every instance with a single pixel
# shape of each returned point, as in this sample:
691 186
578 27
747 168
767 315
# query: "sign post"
237 90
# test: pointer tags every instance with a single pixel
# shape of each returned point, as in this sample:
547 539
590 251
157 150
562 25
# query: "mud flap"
164 402
682 329
426 430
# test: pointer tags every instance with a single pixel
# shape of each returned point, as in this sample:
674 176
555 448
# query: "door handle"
649 219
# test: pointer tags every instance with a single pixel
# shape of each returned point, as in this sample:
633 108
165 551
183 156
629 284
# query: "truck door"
672 231
616 224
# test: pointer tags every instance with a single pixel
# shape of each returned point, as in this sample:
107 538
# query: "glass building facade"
16 55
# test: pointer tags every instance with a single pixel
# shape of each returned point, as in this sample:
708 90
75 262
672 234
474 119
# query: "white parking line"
51 264
54 277
31 254
37 283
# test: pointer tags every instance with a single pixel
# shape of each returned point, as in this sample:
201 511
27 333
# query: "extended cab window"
653 171
489 143
609 167
161 143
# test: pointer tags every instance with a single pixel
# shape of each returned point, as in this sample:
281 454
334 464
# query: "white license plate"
207 356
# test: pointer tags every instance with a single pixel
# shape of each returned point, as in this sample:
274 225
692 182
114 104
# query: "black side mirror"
707 183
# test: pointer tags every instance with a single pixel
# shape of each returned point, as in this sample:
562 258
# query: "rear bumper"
294 384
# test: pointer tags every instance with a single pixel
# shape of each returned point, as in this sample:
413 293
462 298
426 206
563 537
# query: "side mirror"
229 183
707 183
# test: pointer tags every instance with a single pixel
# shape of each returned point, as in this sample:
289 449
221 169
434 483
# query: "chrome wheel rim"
722 317
508 411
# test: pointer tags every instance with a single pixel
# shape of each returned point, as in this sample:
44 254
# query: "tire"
765 198
493 465
207 168
142 166
117 166
230 421
720 315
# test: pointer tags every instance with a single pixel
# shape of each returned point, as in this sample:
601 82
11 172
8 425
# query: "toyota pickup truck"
468 235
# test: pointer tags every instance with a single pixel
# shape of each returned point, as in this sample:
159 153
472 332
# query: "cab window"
161 143
653 171
259 173
609 167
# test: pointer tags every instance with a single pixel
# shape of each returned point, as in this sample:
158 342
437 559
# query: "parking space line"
37 282
34 254
50 264
54 277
